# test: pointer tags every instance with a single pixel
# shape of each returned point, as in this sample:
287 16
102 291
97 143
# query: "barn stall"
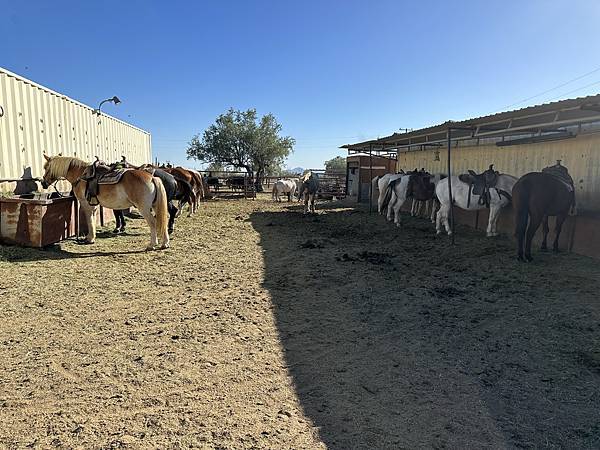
362 168
35 120
516 142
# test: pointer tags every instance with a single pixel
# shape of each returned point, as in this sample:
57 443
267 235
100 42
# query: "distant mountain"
297 170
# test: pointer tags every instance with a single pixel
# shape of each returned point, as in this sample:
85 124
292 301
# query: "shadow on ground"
396 339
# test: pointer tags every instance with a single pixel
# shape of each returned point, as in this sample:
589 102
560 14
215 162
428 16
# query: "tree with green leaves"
241 140
337 164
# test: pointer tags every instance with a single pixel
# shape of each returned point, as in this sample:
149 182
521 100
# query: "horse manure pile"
367 256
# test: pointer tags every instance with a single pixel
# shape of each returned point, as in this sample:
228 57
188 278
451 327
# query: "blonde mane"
58 166
306 176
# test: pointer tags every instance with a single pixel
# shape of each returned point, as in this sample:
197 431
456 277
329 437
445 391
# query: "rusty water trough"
37 220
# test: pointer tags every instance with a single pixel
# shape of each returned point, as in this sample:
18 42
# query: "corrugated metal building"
516 142
36 120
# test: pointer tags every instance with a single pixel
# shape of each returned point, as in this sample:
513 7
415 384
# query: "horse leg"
439 217
397 207
559 223
433 208
390 210
89 212
122 228
313 197
413 208
534 223
172 213
306 196
492 221
118 220
147 213
546 231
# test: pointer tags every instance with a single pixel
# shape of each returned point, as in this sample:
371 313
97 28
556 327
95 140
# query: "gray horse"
309 188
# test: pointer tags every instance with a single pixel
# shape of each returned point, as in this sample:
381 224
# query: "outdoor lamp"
114 99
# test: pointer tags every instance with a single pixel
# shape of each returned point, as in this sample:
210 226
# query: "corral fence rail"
230 183
331 183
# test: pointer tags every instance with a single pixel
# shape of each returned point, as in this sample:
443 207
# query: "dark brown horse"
536 196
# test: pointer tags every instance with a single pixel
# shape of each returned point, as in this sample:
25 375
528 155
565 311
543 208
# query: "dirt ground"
264 328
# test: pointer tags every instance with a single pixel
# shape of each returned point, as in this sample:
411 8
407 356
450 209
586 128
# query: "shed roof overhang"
544 120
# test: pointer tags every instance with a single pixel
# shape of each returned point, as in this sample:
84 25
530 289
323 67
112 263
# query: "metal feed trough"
37 220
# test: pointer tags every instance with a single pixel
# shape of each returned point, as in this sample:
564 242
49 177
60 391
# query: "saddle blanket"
112 177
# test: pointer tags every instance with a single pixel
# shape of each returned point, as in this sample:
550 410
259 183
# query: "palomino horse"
135 188
415 185
309 188
283 187
536 196
496 191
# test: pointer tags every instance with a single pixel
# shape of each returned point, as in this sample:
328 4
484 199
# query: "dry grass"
261 328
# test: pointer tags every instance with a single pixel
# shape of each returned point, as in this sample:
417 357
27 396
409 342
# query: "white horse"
463 197
380 184
417 186
283 187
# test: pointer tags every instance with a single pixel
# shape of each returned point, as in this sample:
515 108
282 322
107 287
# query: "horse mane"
60 165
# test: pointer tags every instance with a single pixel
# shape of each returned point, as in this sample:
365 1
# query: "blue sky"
332 72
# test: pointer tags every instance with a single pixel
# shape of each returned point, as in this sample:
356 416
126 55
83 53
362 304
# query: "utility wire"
550 90
575 90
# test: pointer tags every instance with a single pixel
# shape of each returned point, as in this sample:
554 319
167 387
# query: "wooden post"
450 183
370 178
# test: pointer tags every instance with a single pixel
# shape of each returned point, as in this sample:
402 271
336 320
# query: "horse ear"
472 173
491 167
46 157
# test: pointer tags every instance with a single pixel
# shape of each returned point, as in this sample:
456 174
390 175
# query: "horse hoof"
117 230
165 246
528 258
543 248
171 230
150 248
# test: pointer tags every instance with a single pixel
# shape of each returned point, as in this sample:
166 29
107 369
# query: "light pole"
114 100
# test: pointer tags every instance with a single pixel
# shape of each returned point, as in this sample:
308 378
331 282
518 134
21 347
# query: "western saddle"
559 171
480 184
99 173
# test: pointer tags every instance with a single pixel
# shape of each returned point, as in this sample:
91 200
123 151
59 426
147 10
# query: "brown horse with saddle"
536 196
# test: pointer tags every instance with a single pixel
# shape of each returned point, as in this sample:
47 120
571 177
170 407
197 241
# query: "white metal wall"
35 120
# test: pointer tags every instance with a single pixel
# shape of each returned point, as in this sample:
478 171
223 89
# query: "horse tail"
160 208
520 200
273 192
374 185
388 195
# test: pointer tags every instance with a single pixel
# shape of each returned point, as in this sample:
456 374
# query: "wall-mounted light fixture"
114 100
